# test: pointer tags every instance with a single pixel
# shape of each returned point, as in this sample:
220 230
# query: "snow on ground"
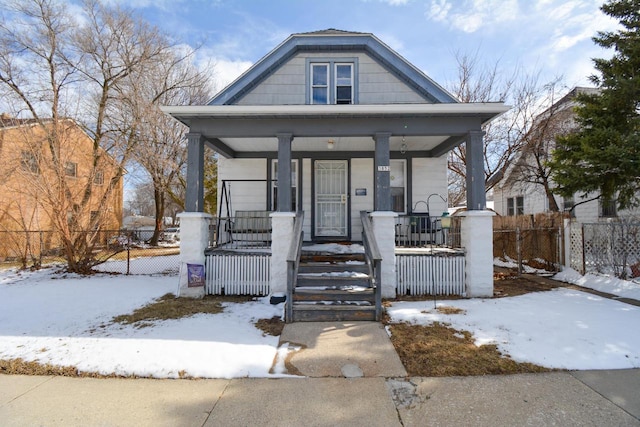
612 285
60 319
65 320
510 263
562 328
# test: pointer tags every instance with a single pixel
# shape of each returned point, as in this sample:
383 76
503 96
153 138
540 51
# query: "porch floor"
341 248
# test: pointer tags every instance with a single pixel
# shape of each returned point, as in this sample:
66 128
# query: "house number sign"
383 168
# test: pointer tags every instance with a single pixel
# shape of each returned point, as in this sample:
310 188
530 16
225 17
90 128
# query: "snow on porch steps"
333 286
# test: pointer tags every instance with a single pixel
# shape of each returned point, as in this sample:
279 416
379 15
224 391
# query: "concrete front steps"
333 287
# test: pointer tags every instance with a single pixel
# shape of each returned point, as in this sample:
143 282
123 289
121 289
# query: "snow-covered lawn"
58 319
66 320
557 329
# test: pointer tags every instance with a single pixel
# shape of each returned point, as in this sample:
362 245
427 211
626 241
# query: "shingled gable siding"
287 85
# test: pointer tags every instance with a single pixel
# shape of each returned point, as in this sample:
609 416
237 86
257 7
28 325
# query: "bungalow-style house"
336 137
28 200
521 190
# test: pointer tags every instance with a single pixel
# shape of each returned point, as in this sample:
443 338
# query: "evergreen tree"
603 154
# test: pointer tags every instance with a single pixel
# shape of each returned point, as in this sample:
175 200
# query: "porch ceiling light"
403 148
330 144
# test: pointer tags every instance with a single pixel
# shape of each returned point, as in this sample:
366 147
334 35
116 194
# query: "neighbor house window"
608 208
294 185
29 162
398 185
515 206
332 82
71 169
98 179
567 206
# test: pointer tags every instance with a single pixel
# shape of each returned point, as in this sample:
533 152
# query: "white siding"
243 195
429 177
361 177
287 85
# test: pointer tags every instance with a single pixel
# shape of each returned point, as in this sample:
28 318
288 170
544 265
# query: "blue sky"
552 37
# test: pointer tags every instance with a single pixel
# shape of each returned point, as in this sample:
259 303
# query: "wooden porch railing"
293 261
374 260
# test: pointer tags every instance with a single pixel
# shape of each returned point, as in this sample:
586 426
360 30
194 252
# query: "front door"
331 200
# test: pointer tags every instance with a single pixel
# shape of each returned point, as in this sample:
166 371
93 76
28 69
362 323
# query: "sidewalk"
349 375
596 398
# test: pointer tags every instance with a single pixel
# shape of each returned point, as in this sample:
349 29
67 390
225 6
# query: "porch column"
281 235
476 196
384 230
284 172
382 194
384 219
194 240
194 201
476 232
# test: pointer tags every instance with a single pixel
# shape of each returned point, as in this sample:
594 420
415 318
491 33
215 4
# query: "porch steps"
333 287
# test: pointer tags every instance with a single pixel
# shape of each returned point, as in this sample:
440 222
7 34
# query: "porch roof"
251 130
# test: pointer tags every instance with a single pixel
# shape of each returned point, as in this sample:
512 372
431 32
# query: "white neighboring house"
516 194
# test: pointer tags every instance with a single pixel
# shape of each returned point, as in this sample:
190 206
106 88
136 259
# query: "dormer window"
344 83
331 83
320 83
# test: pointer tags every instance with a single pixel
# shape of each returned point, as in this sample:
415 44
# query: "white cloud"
226 71
471 15
439 10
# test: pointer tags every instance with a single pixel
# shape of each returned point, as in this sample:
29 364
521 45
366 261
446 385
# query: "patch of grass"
22 367
169 307
271 326
445 309
440 351
508 284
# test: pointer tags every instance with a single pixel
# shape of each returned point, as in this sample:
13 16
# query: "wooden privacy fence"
536 240
437 274
237 274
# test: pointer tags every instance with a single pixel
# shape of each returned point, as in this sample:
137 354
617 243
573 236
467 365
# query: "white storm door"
331 198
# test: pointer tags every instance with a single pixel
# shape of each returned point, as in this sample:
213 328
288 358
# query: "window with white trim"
331 83
319 83
515 206
344 83
294 185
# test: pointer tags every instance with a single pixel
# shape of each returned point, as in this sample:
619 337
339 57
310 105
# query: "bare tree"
531 168
505 135
161 148
55 67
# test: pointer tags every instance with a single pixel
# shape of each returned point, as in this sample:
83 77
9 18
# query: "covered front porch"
356 146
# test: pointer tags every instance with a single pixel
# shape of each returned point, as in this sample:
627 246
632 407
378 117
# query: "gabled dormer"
332 67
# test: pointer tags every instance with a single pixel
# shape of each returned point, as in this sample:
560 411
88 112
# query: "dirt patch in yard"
507 283
22 367
271 326
441 351
170 307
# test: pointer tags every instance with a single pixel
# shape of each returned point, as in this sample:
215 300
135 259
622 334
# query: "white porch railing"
237 274
430 274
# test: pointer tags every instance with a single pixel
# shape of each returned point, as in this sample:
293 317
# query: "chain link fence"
611 248
116 251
